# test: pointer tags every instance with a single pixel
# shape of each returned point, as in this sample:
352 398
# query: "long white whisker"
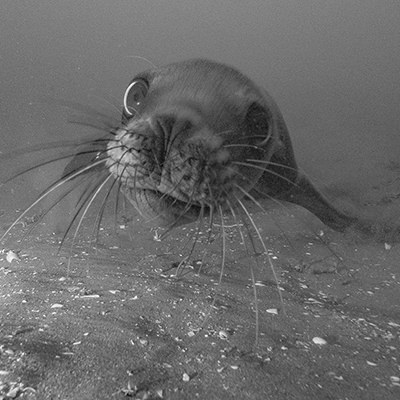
49 190
253 279
318 237
89 203
275 164
265 250
223 232
265 170
144 59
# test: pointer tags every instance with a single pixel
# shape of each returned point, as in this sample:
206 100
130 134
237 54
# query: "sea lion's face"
182 149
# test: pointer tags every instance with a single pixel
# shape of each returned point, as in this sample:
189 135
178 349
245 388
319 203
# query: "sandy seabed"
124 322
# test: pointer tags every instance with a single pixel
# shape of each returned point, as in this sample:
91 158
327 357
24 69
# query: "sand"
123 321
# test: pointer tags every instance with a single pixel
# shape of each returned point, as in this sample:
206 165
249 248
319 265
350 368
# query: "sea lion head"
192 137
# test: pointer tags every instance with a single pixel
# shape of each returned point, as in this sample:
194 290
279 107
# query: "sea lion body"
196 138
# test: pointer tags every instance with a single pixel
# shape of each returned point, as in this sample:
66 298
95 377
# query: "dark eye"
134 95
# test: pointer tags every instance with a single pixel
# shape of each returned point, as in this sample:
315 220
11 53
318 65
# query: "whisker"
304 223
253 280
188 205
144 59
55 160
106 127
46 192
173 224
265 170
264 248
210 230
81 108
223 233
277 202
45 146
44 213
272 163
195 241
100 214
113 106
89 201
248 137
85 205
247 146
83 180
208 240
280 204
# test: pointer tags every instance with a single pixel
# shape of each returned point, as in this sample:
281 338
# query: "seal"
196 138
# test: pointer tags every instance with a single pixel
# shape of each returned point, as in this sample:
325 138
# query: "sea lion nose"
170 124
163 126
167 128
151 136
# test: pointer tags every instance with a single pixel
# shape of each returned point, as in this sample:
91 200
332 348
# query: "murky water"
332 67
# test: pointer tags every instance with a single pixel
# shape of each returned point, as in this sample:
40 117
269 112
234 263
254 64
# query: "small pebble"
13 393
223 335
272 311
319 340
2 372
185 377
12 255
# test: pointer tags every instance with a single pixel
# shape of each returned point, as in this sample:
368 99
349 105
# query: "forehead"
202 79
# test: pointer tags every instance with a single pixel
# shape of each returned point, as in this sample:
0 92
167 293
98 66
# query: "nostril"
169 127
165 125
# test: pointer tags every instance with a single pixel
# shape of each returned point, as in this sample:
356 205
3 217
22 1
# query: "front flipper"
305 195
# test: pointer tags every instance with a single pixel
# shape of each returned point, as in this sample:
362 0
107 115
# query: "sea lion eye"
134 95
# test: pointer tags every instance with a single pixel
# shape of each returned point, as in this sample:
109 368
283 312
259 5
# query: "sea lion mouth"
163 209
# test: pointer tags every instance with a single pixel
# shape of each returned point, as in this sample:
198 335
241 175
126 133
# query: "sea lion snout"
172 156
141 146
132 153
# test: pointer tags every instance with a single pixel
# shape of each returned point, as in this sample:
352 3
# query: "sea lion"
196 138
